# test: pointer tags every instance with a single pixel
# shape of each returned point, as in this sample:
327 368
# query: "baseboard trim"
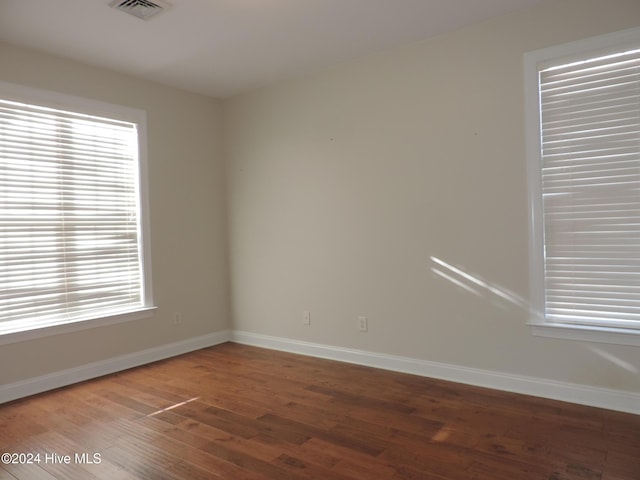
618 400
580 394
13 391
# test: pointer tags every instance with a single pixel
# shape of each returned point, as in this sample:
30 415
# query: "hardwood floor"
242 413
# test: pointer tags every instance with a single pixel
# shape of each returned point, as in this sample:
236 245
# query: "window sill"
14 333
616 336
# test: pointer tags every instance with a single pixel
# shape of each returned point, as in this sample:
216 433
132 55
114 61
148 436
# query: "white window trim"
20 93
539 326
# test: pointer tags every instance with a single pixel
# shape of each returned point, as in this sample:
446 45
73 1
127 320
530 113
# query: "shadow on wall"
475 285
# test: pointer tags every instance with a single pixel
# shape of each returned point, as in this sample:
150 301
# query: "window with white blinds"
587 186
70 217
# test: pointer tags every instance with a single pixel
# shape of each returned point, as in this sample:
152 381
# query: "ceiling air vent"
144 9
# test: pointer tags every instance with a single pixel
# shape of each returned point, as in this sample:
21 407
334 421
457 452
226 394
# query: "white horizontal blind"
69 216
590 124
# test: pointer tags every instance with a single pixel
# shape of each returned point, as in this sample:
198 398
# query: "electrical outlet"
363 324
177 318
306 318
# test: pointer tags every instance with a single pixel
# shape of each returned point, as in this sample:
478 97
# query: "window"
583 147
72 214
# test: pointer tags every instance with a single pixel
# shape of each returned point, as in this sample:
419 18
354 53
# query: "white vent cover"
144 9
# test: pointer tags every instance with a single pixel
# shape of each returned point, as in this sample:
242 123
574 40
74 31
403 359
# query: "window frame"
565 53
45 98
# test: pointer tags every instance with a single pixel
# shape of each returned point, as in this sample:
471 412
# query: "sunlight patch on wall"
613 359
474 284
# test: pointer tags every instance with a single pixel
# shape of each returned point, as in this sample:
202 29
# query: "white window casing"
74 225
583 168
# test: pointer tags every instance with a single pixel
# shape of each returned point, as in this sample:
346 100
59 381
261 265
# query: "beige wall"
344 187
188 219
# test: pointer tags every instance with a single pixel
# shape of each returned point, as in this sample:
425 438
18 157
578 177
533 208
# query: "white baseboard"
13 391
580 394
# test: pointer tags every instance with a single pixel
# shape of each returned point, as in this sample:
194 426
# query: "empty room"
320 239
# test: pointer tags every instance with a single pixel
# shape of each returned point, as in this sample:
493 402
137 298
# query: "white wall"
188 217
346 185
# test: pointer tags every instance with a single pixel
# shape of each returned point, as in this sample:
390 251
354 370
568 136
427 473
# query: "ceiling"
224 47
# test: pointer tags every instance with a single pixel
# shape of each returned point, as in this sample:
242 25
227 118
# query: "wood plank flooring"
243 413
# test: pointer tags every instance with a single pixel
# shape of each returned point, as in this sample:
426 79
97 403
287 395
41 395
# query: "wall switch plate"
306 318
363 324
